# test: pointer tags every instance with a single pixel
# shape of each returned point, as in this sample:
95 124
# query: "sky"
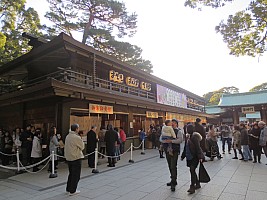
184 48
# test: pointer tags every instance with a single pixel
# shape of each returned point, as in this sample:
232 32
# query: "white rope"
138 146
114 156
6 167
31 166
7 154
59 156
36 171
89 154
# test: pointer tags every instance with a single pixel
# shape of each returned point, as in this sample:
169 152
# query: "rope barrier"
6 167
7 154
106 156
33 165
36 171
139 145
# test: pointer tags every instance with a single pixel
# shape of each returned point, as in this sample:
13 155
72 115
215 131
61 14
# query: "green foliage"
16 19
2 41
211 3
260 87
245 32
101 21
213 98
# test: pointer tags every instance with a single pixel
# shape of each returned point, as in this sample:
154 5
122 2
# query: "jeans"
172 164
122 147
265 150
246 152
74 175
228 140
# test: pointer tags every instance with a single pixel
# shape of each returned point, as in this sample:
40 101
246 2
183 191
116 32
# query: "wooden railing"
84 80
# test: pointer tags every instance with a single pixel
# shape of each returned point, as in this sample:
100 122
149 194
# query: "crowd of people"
31 146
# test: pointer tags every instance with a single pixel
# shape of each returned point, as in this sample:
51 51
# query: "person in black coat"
91 146
254 142
26 138
201 130
111 138
193 154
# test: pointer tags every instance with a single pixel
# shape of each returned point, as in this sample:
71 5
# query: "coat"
194 146
23 138
200 129
236 139
73 147
53 145
36 148
91 141
254 141
244 136
111 137
263 137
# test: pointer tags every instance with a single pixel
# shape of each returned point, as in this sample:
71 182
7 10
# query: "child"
168 133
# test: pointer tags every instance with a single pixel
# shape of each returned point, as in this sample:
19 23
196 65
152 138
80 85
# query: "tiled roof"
214 110
240 99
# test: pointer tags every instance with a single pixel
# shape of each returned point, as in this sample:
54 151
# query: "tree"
101 23
213 98
245 32
16 19
260 87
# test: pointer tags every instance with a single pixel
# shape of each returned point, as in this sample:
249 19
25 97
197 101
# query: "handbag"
203 175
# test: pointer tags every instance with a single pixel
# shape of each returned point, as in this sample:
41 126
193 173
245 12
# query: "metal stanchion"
95 170
18 165
143 147
131 160
53 174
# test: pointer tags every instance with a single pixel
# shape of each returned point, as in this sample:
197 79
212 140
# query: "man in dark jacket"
91 145
26 145
172 159
111 137
245 142
200 129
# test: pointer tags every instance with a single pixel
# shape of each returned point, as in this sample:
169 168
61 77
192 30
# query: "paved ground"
146 179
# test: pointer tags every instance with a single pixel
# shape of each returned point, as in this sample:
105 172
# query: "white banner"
169 97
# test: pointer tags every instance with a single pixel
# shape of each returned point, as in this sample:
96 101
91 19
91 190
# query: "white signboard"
169 97
248 109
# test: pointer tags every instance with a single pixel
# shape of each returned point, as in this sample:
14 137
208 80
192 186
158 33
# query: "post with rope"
131 159
143 147
95 170
18 164
53 174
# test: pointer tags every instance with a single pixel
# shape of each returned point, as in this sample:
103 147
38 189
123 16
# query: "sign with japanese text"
130 81
101 109
115 76
169 97
248 109
152 114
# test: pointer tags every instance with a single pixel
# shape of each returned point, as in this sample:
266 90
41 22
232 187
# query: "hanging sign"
152 114
248 109
115 76
101 109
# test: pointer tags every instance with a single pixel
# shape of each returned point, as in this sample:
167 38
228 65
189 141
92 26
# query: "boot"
161 154
259 159
255 159
198 186
192 189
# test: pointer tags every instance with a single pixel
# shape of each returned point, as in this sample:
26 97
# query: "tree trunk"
87 28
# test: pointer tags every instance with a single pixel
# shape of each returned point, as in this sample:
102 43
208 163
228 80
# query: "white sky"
184 48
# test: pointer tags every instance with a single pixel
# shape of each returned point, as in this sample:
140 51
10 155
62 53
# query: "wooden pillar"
235 116
130 122
263 114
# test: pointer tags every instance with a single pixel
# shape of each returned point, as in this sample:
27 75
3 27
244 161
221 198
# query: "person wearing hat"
172 159
263 137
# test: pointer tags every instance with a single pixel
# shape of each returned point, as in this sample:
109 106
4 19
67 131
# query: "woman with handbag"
193 154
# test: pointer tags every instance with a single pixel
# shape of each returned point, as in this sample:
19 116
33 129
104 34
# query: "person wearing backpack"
193 154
